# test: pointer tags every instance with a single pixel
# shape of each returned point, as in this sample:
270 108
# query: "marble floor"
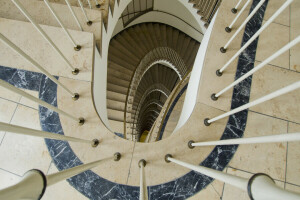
19 154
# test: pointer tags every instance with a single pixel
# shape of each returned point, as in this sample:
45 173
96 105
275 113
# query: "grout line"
18 103
286 158
10 172
47 173
264 20
280 66
9 123
223 186
130 163
75 79
215 189
274 117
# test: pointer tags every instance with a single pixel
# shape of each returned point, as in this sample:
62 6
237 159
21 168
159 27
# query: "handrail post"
76 46
223 49
90 5
88 22
74 15
143 186
43 134
219 72
75 96
259 187
270 96
75 71
288 46
234 10
39 101
228 28
290 137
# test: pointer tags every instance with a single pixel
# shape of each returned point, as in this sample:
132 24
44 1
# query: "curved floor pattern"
96 187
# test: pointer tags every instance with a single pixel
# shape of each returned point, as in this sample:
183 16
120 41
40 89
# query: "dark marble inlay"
95 187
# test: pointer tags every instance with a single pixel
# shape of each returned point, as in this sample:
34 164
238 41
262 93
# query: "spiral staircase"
148 100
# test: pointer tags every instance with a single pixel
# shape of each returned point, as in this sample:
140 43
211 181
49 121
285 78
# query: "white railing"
259 186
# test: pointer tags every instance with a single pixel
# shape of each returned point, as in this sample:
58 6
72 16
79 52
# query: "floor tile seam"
130 163
18 103
279 66
265 20
9 123
87 81
242 170
10 172
212 185
273 117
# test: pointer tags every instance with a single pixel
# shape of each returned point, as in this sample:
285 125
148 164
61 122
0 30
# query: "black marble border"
95 187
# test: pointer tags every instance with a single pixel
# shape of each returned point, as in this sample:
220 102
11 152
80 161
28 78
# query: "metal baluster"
97 4
234 10
88 22
75 71
43 134
74 15
143 185
75 96
261 65
219 72
270 96
259 186
90 5
76 46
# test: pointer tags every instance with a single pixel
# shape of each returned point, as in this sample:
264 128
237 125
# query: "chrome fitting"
89 23
77 48
98 6
117 156
75 97
75 71
95 142
227 29
168 156
81 121
213 97
206 122
142 162
234 11
223 50
218 73
190 144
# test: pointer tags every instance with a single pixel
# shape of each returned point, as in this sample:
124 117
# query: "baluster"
270 96
97 4
37 100
43 134
76 46
75 71
259 186
75 96
234 10
223 49
88 22
90 5
228 28
289 137
219 72
74 15
261 65
143 185
35 182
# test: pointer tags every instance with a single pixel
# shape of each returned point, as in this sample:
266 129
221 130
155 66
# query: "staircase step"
117 88
115 105
116 96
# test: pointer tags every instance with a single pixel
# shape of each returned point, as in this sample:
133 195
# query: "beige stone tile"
273 6
7 179
93 128
293 188
208 193
61 190
294 32
7 94
7 109
293 158
157 170
33 44
20 153
29 103
231 192
265 158
270 79
271 40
